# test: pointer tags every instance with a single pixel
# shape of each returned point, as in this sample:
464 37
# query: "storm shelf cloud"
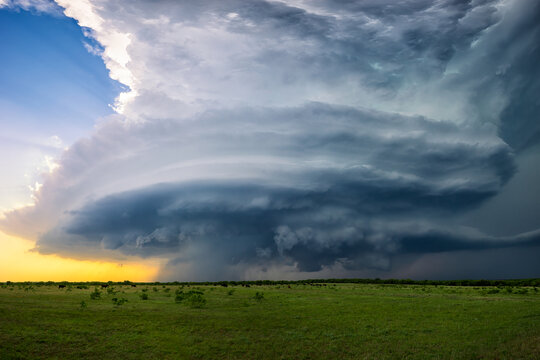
298 138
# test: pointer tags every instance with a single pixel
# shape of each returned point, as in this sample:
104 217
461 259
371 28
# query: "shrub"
196 301
144 296
119 302
95 295
194 298
111 291
179 297
259 296
83 305
230 292
155 289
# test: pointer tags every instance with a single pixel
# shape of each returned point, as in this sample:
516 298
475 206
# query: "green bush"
196 301
95 295
193 298
144 296
230 292
179 298
119 302
259 296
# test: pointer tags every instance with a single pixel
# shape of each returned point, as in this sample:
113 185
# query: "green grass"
337 321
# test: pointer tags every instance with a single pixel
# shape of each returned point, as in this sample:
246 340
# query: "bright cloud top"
309 134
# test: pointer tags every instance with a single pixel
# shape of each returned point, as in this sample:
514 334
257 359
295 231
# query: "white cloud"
224 54
113 40
46 6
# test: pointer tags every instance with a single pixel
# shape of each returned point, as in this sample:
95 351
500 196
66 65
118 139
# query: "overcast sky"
238 139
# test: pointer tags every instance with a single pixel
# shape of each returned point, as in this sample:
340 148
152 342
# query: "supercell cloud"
297 138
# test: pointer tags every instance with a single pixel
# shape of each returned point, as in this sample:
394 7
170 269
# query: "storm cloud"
317 136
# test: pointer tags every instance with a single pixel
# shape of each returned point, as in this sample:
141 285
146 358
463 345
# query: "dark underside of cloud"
250 225
337 136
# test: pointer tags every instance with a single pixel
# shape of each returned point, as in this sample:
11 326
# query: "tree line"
466 282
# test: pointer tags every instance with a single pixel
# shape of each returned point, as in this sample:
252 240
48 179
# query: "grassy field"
330 321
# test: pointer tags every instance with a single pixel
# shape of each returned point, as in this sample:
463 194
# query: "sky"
224 140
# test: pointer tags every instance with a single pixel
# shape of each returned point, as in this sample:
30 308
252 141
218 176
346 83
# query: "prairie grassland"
330 321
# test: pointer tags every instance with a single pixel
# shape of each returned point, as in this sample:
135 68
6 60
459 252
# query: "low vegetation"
271 320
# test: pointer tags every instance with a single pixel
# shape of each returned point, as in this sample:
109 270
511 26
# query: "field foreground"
322 321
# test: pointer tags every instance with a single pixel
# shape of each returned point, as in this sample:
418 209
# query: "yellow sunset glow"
18 263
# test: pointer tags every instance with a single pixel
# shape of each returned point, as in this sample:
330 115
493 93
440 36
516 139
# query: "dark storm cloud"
243 224
345 193
520 120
